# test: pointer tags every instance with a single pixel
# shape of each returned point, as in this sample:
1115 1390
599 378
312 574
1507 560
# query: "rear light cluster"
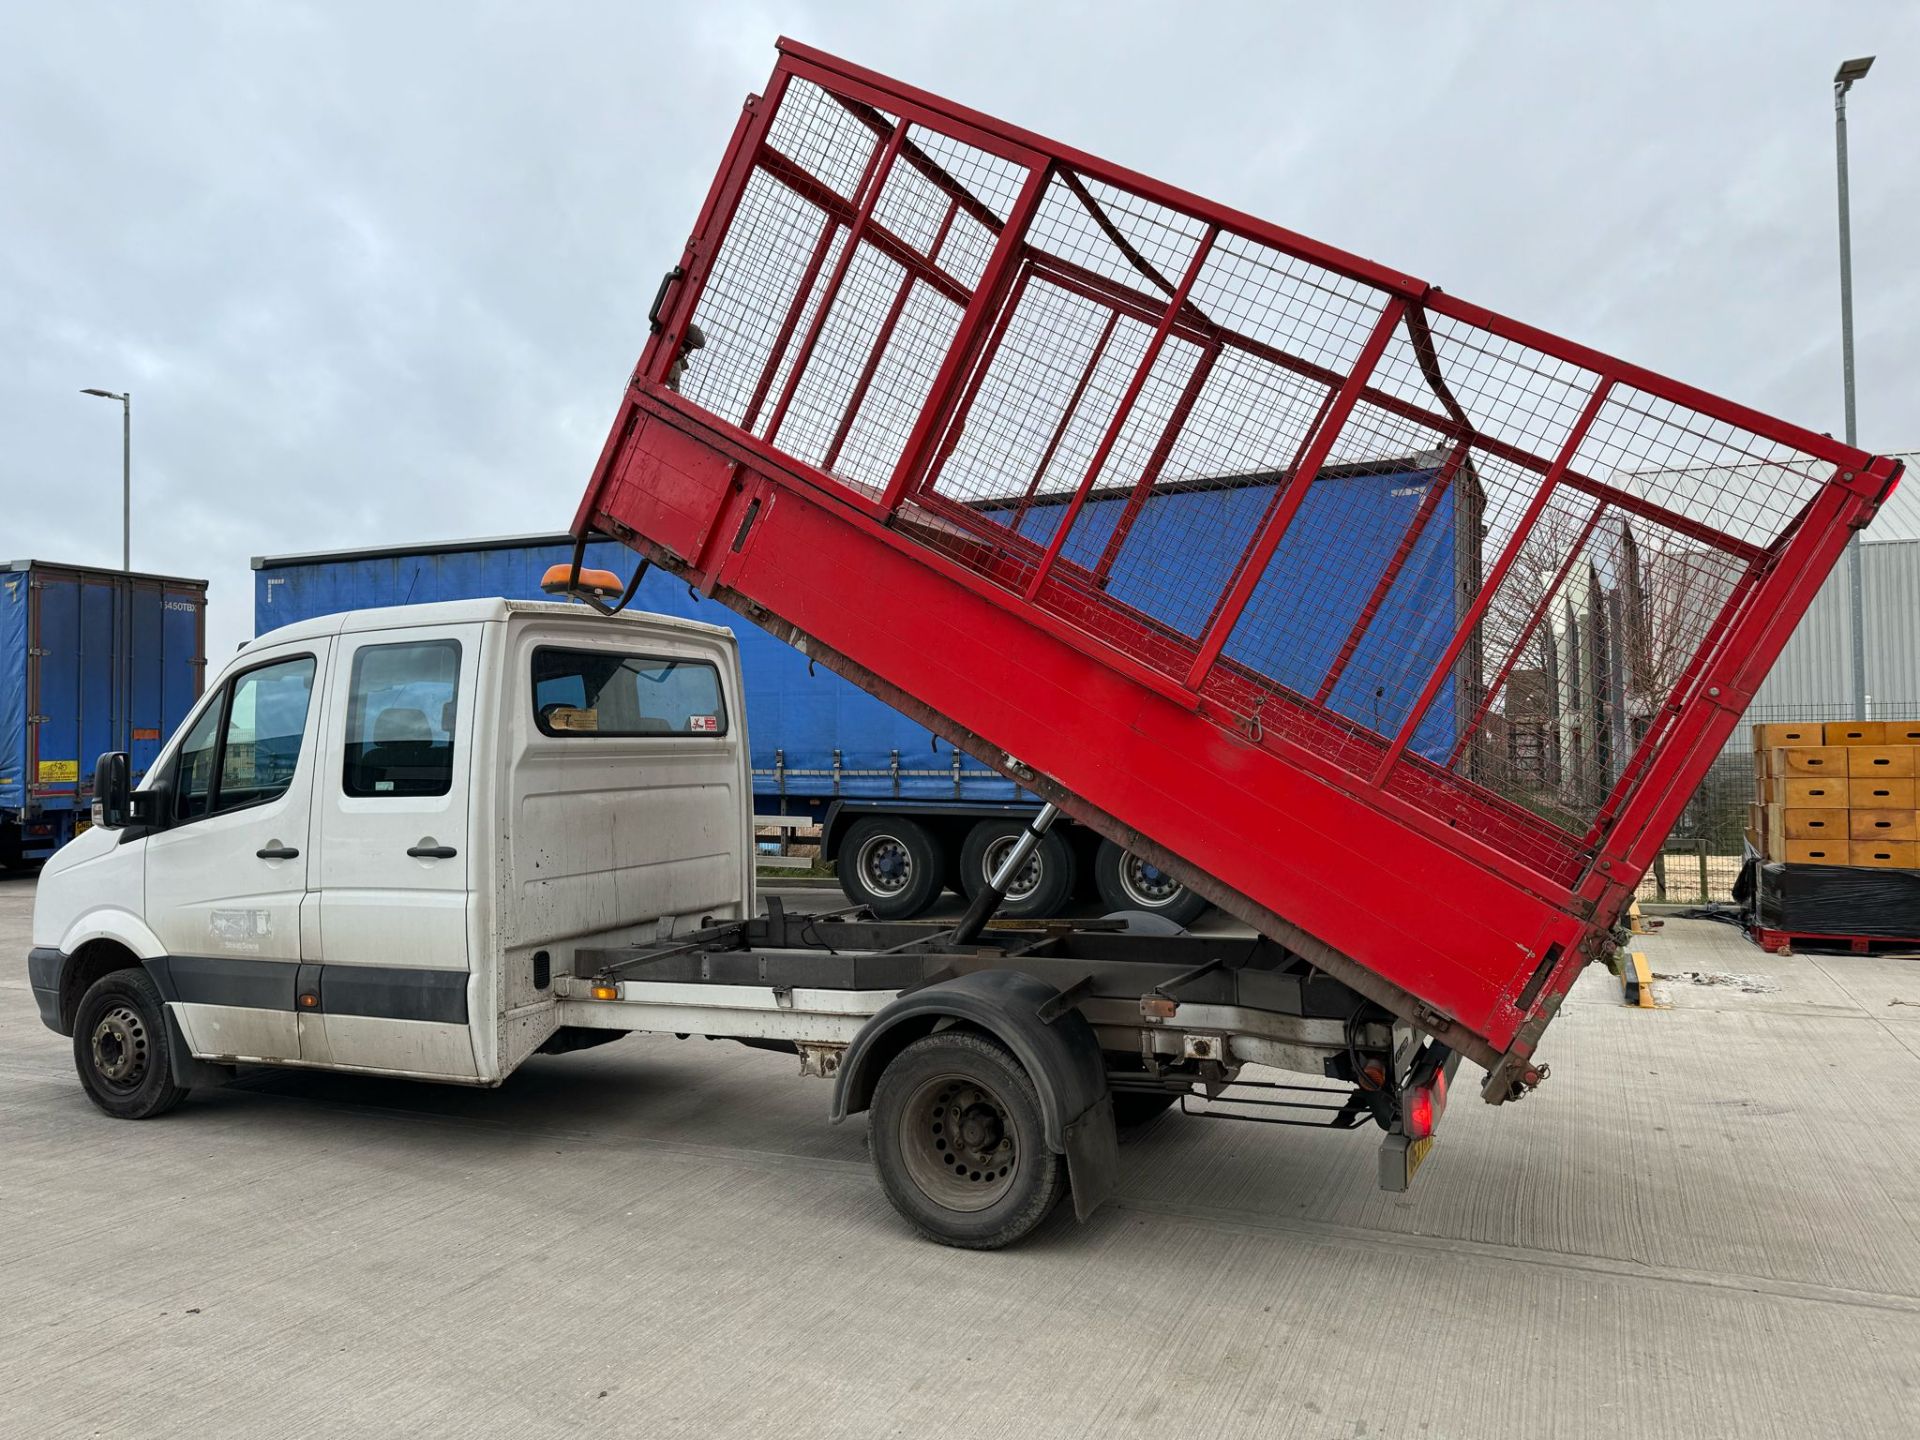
1423 1105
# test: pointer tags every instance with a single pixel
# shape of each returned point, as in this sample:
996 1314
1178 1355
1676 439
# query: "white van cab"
380 836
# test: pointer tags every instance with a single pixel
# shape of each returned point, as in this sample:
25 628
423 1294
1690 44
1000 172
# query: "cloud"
376 273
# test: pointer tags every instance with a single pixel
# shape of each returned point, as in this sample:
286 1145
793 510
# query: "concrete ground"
1706 1223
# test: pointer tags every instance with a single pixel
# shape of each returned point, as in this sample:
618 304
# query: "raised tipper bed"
913 382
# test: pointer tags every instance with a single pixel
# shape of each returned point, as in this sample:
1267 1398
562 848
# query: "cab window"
598 692
401 711
245 747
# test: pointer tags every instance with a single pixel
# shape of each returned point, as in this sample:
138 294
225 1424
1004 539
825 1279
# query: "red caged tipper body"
924 393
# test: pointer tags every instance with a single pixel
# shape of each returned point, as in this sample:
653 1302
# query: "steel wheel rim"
960 1143
120 1048
885 865
1024 883
1145 883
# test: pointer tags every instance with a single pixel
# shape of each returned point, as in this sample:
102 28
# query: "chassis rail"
1178 1015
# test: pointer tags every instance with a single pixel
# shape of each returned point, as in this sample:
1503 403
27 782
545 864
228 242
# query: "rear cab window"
401 713
604 693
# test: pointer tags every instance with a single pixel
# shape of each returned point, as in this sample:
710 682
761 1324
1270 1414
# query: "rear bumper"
46 970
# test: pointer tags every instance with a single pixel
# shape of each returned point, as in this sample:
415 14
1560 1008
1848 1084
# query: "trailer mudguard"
1060 1053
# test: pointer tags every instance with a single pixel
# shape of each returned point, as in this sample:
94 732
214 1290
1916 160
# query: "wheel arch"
108 950
86 964
1057 1048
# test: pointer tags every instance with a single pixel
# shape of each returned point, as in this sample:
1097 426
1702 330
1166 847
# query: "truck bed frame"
1174 1014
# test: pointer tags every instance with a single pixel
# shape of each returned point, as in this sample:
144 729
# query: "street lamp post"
1843 79
126 471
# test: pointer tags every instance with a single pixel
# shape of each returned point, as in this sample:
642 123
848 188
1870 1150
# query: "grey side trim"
394 993
224 980
388 992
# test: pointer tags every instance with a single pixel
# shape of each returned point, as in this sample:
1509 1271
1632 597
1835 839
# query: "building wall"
1813 679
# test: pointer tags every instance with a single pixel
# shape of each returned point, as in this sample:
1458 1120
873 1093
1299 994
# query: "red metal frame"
1071 409
1548 594
1123 412
1288 499
1438 896
1437 490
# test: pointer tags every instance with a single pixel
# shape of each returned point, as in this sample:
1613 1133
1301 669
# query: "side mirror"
112 790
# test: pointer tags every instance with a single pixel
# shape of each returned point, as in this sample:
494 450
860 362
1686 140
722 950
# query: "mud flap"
193 1073
1093 1157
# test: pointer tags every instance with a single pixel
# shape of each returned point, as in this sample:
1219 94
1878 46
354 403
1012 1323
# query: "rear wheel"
1044 885
120 1047
892 865
1128 882
959 1144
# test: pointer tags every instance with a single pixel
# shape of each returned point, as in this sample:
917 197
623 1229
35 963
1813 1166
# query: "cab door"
393 878
227 874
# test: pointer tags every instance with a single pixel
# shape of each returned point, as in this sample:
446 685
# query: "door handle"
432 852
278 852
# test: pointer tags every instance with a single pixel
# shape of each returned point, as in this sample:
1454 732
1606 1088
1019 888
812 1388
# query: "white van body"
395 881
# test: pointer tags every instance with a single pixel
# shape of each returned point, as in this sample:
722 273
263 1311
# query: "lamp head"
1852 70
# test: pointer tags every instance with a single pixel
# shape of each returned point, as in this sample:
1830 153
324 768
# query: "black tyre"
120 1047
959 1144
1128 882
1044 886
892 865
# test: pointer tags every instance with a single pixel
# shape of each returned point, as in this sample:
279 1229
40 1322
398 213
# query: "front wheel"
120 1047
1128 882
959 1144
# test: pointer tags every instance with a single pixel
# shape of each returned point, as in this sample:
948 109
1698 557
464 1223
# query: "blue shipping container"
90 660
817 738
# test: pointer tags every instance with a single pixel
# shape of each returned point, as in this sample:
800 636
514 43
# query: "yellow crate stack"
1837 794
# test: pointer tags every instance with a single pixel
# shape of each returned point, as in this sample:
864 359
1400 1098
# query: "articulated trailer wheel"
1128 882
892 865
958 1142
1044 885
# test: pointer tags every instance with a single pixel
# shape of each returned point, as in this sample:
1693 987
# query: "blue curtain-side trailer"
91 660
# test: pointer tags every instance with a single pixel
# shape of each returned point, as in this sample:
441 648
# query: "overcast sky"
376 273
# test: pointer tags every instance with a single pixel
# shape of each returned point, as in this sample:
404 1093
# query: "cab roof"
494 610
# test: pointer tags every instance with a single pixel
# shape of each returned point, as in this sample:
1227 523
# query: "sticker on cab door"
242 930
53 772
569 717
704 724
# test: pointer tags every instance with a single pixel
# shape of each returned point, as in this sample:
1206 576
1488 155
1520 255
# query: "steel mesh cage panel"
1451 561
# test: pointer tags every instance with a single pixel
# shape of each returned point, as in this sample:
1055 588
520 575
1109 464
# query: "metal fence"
1703 855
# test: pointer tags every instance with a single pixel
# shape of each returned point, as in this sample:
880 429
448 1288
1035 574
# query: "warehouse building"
1813 679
